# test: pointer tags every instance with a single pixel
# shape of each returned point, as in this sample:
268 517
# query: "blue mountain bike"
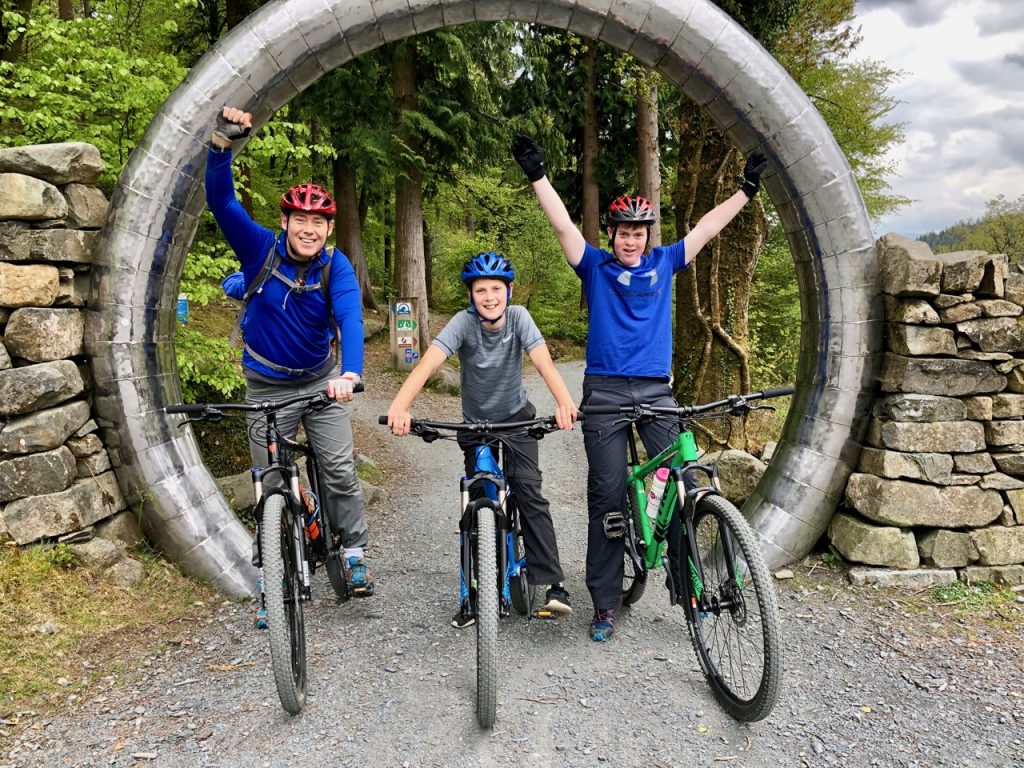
493 572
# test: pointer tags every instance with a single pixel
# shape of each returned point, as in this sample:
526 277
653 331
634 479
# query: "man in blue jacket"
291 327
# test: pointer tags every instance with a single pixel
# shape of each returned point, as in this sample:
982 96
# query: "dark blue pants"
606 443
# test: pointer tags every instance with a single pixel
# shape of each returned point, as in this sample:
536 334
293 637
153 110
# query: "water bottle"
657 489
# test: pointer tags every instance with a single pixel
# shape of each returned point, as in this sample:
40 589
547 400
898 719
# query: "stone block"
978 408
1012 463
931 467
939 376
1003 434
108 561
862 542
738 473
13 244
44 334
87 206
1010 575
973 463
947 549
910 579
934 437
920 340
999 545
914 311
62 163
24 198
959 313
909 268
28 285
962 271
123 529
905 504
43 430
65 245
84 503
920 408
34 387
1014 288
36 473
85 445
1007 406
73 288
995 334
90 466
1000 308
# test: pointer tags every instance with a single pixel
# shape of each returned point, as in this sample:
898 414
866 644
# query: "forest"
413 138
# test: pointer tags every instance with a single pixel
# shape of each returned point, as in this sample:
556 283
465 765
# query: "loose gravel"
872 678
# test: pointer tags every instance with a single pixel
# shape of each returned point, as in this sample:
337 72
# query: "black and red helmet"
629 209
308 198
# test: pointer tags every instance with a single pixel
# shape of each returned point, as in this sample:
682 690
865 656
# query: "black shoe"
603 625
464 617
556 600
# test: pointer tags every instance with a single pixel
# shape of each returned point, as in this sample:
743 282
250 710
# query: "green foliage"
1000 230
85 80
774 315
206 265
62 556
207 366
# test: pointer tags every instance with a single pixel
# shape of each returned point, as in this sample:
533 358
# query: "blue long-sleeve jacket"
291 329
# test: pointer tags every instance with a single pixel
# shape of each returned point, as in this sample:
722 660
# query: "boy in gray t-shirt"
490 338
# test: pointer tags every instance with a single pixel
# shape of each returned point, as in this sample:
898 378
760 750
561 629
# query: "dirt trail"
868 682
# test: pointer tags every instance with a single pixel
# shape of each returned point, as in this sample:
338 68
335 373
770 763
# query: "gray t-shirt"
492 361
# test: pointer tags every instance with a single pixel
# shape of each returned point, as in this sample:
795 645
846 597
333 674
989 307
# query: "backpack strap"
268 270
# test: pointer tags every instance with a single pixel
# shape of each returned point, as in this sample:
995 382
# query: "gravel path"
870 680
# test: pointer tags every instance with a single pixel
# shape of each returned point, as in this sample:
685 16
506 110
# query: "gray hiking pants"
330 433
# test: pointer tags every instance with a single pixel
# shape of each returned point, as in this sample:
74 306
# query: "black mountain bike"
293 538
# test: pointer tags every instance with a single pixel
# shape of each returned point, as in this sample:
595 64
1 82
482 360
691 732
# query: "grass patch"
982 595
62 627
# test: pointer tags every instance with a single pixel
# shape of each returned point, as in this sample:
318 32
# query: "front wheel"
281 534
486 616
731 610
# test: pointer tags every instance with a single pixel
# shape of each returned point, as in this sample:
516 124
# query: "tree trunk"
65 10
232 14
648 155
591 194
11 51
348 227
389 223
713 295
428 262
410 264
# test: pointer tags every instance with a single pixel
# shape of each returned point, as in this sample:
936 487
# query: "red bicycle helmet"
631 209
309 198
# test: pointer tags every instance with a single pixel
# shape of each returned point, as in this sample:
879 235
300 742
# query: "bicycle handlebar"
734 404
265 406
477 426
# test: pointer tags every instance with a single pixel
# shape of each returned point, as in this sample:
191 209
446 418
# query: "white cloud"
960 96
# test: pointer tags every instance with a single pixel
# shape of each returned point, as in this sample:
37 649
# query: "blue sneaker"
261 618
358 577
602 627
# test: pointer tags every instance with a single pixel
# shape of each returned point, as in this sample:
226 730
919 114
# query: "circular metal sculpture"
286 46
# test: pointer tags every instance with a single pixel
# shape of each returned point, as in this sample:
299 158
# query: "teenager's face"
490 297
306 234
629 242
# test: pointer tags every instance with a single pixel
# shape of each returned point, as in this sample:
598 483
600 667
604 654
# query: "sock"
353 552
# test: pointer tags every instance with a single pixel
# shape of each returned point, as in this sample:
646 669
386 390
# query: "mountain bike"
493 571
293 537
723 583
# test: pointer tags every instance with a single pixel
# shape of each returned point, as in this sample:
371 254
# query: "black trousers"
522 473
606 444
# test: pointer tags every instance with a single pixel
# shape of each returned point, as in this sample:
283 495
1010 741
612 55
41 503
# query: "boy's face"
306 234
629 242
490 297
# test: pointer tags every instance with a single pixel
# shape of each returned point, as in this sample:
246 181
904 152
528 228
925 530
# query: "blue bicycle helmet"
488 265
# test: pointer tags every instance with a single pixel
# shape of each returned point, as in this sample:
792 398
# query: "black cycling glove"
752 171
530 157
228 130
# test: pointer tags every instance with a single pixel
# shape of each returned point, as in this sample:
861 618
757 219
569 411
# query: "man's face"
490 297
306 234
629 242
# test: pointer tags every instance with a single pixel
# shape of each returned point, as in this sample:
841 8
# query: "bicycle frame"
489 477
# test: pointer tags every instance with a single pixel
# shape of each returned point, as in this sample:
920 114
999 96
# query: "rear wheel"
281 534
634 579
732 612
486 616
522 592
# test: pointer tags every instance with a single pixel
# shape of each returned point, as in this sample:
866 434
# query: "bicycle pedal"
614 525
546 615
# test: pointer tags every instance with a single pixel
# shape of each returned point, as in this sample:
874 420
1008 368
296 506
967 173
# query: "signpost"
404 334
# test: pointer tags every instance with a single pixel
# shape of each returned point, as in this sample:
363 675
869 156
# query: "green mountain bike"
723 583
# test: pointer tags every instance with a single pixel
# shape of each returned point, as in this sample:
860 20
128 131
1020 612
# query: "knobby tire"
737 639
486 616
283 589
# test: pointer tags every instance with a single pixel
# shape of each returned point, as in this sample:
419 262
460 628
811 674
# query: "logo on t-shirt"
635 283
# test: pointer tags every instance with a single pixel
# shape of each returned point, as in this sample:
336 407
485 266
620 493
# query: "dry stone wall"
940 482
56 481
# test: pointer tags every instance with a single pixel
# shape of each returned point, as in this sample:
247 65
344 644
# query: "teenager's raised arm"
530 157
399 417
565 408
715 220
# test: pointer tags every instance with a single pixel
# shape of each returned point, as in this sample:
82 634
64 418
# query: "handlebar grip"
382 420
185 408
359 388
779 392
600 409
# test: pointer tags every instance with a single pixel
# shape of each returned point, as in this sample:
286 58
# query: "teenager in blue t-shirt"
629 347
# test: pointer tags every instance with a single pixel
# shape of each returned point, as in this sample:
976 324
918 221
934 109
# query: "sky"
961 98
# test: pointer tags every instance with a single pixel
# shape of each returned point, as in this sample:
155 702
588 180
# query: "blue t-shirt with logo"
630 311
